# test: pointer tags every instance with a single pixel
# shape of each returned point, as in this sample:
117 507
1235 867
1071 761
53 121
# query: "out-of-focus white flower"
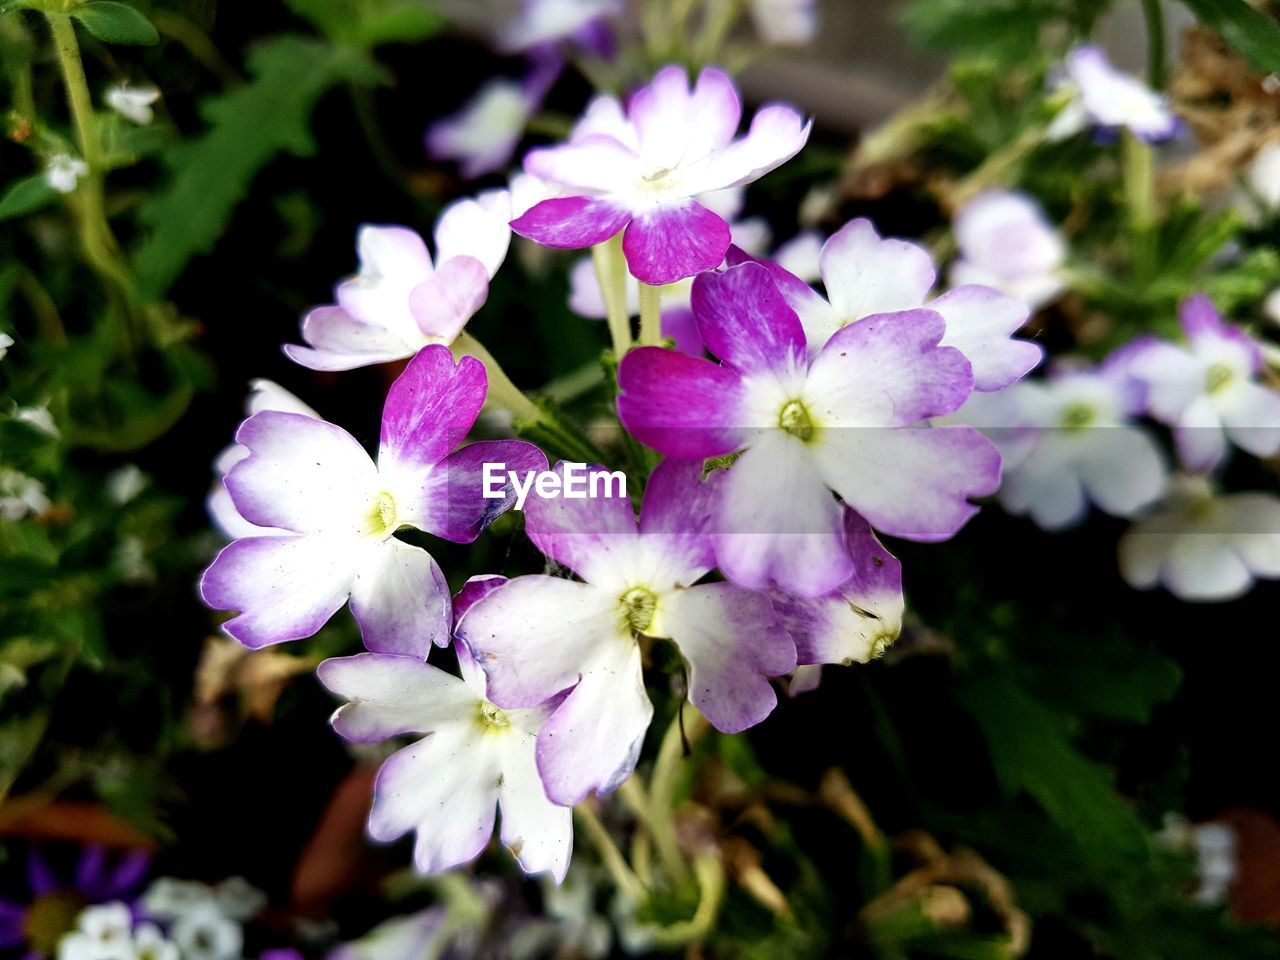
103 932
483 135
6 342
206 933
422 934
1215 848
1202 546
21 495
169 898
785 22
63 171
545 22
38 418
1271 307
238 899
801 256
125 484
1006 242
149 943
131 561
133 103
1264 177
1108 100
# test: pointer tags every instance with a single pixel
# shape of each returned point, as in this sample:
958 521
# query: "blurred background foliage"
992 788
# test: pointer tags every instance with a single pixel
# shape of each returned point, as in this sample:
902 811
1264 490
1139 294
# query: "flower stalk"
611 273
650 315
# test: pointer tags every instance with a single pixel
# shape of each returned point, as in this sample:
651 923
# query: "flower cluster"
814 427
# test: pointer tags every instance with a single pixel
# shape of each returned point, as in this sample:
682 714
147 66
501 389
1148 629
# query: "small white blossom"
133 103
104 932
21 495
125 484
63 172
6 342
149 943
206 933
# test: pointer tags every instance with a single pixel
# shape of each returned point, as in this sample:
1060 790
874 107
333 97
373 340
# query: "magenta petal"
570 223
443 304
685 407
401 601
674 243
431 407
681 505
582 533
678 323
475 589
744 320
452 503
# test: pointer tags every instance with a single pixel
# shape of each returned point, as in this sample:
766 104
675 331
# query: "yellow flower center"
491 717
1077 416
49 918
794 419
381 519
1218 376
638 607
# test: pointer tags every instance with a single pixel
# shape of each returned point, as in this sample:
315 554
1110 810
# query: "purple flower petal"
679 324
672 243
685 407
40 878
128 874
777 133
475 589
570 223
980 322
816 316
286 588
430 409
583 533
855 622
90 870
535 635
1203 325
778 523
744 320
443 304
13 924
450 502
593 739
886 371
400 598
679 504
911 483
733 642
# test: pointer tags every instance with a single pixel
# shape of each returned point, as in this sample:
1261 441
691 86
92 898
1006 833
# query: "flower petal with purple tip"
683 406
400 598
671 243
569 223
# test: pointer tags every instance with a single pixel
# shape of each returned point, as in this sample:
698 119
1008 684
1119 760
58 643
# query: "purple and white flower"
263 395
857 621
483 135
538 637
850 417
1203 546
474 758
1109 100
1207 390
545 23
587 300
338 511
785 22
640 170
1006 242
866 276
1070 440
400 301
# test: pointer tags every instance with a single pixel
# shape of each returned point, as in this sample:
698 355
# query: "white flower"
150 944
133 103
785 22
238 899
1109 99
169 898
125 484
38 418
205 933
1203 546
63 171
104 932
1264 177
21 495
1007 243
421 934
6 342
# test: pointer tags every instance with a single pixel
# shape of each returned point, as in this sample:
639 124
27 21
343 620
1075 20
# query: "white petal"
476 228
1122 469
865 274
391 696
538 832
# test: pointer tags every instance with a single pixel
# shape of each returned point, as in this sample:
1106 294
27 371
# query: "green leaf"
26 196
372 22
1030 753
248 127
114 22
1253 34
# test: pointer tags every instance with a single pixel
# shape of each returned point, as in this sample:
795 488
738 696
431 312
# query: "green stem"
624 877
716 25
710 873
99 242
661 828
1140 198
1154 13
611 274
650 315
